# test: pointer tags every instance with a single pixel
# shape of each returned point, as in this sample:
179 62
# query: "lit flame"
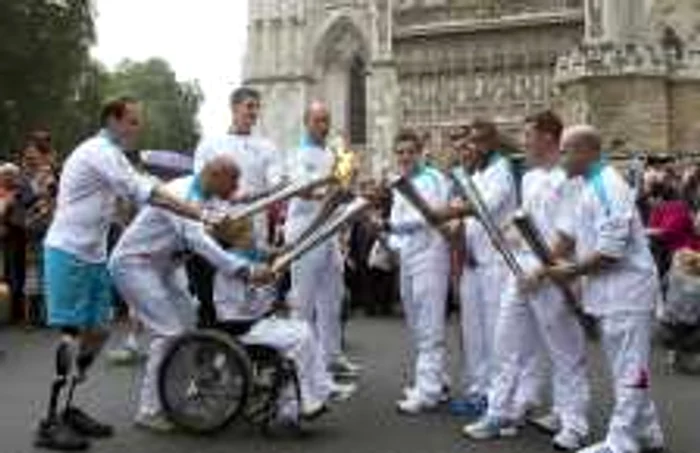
345 164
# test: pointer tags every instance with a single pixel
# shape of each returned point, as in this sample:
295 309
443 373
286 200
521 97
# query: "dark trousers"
15 264
201 281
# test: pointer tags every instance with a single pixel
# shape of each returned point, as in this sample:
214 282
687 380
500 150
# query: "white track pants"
480 296
295 340
476 343
317 293
524 324
162 303
627 345
424 297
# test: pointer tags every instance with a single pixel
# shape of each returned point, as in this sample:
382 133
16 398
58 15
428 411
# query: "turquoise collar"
493 157
104 132
418 170
307 142
595 170
195 191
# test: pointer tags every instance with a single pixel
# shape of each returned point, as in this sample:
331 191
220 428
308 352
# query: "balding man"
608 247
317 277
148 269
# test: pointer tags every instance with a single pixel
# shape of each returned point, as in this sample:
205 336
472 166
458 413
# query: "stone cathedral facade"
631 67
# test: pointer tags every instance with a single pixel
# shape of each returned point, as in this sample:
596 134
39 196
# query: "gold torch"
236 230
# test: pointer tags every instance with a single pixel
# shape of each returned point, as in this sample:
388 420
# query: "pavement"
366 424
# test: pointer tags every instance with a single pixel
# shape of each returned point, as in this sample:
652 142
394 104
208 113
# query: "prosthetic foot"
53 432
86 425
57 435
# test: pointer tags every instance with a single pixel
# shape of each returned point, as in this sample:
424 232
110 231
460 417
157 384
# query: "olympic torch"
535 240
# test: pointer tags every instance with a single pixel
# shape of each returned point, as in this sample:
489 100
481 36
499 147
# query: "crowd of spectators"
28 188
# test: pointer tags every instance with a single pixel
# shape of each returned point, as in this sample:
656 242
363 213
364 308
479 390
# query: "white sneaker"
549 423
313 410
414 404
344 368
490 428
342 392
124 355
157 422
568 440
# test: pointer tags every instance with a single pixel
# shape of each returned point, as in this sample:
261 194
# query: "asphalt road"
366 424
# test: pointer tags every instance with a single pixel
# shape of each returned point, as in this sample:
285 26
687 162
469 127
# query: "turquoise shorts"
78 294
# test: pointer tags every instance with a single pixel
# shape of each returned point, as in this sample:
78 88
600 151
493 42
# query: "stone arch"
338 29
339 46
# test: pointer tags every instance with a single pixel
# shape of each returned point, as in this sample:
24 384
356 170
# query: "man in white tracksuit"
262 167
424 266
148 270
476 348
481 287
620 286
541 317
317 277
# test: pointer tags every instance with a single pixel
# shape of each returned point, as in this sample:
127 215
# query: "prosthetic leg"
67 430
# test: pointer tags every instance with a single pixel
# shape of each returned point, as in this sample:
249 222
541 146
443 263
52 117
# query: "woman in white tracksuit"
424 266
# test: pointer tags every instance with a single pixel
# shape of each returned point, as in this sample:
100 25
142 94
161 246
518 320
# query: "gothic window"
358 102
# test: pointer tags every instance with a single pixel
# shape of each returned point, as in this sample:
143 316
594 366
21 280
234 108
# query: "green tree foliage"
44 55
48 80
170 107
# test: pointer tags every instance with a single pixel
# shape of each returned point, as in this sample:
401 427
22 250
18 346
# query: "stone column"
619 21
382 113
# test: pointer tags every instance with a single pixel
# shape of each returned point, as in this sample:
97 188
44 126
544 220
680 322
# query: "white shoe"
313 410
344 368
407 391
549 423
413 404
125 355
490 428
568 440
342 392
157 422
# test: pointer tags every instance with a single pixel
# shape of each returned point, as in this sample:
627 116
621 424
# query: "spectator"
42 186
15 197
671 225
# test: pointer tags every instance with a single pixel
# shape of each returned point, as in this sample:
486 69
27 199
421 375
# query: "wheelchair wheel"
204 381
270 377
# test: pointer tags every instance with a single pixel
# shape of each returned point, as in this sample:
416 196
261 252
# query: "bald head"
317 119
582 136
582 145
220 177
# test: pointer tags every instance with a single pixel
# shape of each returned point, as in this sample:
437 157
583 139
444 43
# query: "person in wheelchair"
267 324
148 269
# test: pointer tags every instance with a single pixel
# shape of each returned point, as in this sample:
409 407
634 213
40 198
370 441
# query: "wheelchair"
208 379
